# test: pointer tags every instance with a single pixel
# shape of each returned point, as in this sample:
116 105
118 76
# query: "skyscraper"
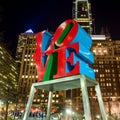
81 12
106 66
27 74
8 75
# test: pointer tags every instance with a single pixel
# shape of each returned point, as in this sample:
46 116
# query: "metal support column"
100 101
49 104
86 103
72 82
29 103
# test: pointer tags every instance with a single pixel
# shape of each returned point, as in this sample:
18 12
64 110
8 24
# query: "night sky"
18 16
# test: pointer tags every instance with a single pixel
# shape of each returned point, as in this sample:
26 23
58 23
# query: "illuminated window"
94 51
117 58
100 62
102 75
42 95
115 88
95 70
31 64
26 76
113 75
99 44
107 70
113 70
113 79
57 95
118 66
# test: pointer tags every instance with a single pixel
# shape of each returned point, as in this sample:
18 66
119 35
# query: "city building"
8 75
8 78
81 12
106 66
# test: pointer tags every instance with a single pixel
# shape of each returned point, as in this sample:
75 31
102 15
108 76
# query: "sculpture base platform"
66 83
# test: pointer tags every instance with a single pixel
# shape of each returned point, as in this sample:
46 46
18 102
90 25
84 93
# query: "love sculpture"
62 61
65 53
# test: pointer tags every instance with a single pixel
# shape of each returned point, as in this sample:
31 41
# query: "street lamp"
68 111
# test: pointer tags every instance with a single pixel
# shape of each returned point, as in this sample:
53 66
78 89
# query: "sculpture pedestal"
66 83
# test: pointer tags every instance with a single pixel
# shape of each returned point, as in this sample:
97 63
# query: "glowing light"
98 37
29 31
68 111
98 116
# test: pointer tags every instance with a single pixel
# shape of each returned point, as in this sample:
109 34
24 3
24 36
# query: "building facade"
27 76
8 75
81 12
106 66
